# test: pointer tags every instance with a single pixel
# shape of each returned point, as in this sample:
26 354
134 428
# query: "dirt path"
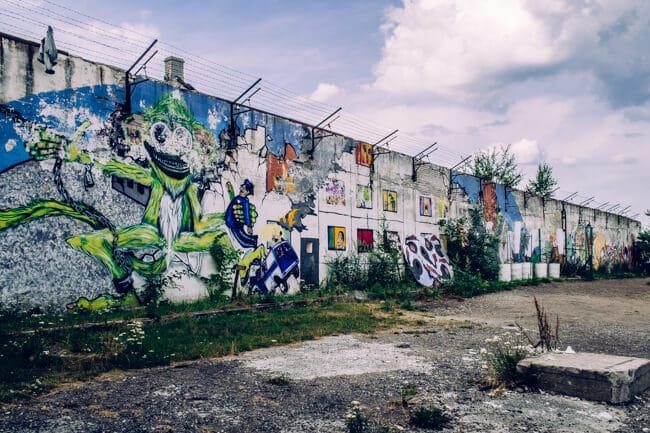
310 387
618 302
610 316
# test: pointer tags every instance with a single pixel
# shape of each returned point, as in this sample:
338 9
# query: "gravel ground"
310 387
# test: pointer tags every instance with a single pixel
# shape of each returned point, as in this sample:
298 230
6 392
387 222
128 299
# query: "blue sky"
562 81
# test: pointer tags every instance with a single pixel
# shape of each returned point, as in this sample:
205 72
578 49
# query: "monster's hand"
46 146
51 145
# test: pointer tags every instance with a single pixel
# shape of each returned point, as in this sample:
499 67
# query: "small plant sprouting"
356 421
432 418
407 394
504 353
387 306
281 380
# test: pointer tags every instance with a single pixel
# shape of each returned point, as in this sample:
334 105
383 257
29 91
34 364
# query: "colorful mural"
336 238
335 192
365 241
550 243
177 147
364 197
390 201
97 202
277 171
426 206
173 142
490 208
443 209
426 259
364 154
391 240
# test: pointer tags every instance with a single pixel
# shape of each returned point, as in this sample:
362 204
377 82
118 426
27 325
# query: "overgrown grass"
502 355
467 285
32 362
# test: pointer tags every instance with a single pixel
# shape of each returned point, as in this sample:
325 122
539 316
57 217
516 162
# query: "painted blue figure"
241 216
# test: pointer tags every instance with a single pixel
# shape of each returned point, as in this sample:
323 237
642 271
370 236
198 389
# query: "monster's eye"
182 139
159 133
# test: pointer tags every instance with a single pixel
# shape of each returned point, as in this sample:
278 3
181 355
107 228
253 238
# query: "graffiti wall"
534 230
104 200
186 183
99 204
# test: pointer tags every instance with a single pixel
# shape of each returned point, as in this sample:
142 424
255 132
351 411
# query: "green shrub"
383 268
573 268
471 247
430 418
407 394
281 380
465 284
345 271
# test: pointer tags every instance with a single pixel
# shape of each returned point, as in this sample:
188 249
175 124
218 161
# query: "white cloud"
442 46
526 151
458 48
325 92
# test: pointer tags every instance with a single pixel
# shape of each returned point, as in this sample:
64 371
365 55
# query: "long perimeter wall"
98 203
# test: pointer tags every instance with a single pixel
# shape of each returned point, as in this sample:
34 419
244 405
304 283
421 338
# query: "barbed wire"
101 41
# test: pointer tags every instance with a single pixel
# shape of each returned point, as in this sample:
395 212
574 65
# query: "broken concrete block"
592 376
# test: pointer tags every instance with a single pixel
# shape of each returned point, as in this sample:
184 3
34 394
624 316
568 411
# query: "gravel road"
309 387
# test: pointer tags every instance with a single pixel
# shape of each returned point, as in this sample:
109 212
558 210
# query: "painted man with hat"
241 216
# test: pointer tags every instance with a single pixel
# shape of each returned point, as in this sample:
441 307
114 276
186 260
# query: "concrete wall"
22 75
536 230
96 203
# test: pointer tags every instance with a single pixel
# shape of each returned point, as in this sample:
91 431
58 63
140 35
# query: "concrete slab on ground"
592 376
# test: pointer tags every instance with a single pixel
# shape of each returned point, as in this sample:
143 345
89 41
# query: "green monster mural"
175 146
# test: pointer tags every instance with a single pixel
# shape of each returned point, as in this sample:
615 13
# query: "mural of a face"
168 149
177 144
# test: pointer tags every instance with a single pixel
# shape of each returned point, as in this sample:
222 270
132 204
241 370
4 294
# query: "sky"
566 82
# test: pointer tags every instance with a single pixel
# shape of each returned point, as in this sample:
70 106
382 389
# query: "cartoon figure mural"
278 267
166 150
273 265
426 259
241 215
172 223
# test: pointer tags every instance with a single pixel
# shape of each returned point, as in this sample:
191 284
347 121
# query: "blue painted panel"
508 206
61 111
471 185
211 112
280 131
506 203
